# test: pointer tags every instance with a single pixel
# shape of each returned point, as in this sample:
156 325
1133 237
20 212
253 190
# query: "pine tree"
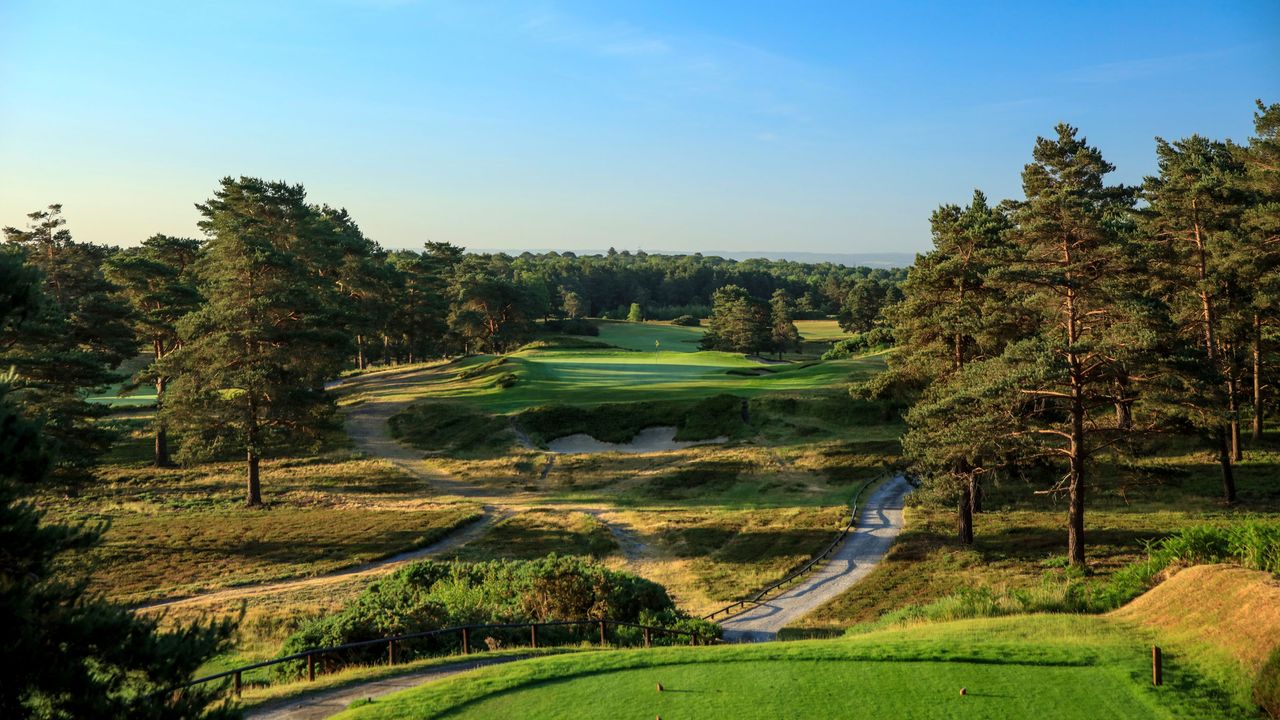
157 280
81 334
1195 203
1069 237
71 654
250 372
783 336
738 322
954 313
1261 224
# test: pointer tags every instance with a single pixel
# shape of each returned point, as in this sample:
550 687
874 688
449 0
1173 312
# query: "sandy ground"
654 439
878 525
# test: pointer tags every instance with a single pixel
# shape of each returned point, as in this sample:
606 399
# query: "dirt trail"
879 523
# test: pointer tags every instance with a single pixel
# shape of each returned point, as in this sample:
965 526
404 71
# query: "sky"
753 126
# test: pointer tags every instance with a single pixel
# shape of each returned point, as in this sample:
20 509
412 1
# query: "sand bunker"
654 439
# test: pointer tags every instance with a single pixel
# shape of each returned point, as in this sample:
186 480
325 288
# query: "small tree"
635 314
783 335
738 322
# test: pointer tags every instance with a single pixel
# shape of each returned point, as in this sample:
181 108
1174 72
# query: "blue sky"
822 127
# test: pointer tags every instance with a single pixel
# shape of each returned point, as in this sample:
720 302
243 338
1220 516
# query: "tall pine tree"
157 280
250 372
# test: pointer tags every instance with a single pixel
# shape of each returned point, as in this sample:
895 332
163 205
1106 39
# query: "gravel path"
326 703
879 523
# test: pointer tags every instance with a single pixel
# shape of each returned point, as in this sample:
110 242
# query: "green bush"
567 343
686 321
875 339
573 326
429 595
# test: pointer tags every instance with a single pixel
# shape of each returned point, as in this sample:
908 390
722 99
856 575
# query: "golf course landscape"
755 477
640 361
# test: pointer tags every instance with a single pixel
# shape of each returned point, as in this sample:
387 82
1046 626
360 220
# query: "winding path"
326 703
879 523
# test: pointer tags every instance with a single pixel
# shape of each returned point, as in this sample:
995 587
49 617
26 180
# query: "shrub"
875 339
687 321
573 326
429 595
567 343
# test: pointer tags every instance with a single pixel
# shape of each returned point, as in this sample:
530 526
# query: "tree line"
244 325
1043 336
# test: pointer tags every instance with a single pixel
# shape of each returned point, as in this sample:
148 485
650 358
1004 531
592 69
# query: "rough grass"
1044 667
177 531
538 532
452 428
1020 540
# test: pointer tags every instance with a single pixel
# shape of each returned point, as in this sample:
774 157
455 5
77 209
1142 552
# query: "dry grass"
1234 610
541 531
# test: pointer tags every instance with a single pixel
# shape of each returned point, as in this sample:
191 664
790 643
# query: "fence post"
1157 666
391 652
533 635
466 642
602 641
647 638
238 683
311 667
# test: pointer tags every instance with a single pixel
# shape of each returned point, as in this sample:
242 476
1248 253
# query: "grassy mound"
716 416
1034 666
451 428
1227 615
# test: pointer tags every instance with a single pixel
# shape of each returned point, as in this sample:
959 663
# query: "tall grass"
1254 544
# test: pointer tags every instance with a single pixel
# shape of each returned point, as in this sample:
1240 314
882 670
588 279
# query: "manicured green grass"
643 336
602 376
820 331
1040 667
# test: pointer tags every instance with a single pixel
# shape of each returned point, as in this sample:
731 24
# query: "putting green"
599 376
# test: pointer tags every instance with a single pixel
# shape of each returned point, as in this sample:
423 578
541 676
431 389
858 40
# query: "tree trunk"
1224 459
360 361
964 516
162 435
1233 407
1075 512
1124 405
1257 377
975 495
254 488
253 495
